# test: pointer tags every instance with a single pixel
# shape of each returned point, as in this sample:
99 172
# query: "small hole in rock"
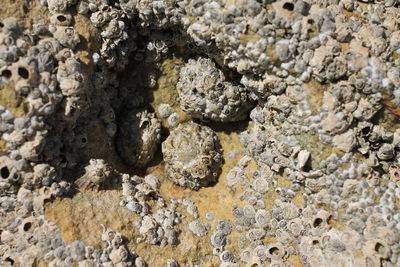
315 242
26 107
63 160
194 91
23 72
15 176
27 226
5 172
6 74
317 222
84 140
61 18
144 125
11 261
288 6
379 248
366 130
1 25
274 251
329 220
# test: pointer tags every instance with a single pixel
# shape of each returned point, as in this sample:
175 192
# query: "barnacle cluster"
204 93
192 155
271 137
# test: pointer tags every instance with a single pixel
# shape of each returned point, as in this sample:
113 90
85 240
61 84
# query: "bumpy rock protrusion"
192 155
205 94
138 136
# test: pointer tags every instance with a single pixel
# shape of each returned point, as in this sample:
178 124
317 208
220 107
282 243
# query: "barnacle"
192 155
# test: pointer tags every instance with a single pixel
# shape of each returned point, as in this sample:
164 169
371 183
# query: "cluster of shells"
317 82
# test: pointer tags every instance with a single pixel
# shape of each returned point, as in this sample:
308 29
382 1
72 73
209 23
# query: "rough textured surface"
282 115
192 155
204 93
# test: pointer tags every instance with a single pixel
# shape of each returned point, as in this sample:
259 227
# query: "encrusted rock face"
192 155
138 136
312 173
205 94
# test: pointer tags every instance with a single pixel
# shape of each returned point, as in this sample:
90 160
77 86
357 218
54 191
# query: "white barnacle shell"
50 44
275 251
148 223
24 74
386 152
96 173
119 255
173 120
112 30
261 185
153 181
198 228
67 36
172 263
218 239
346 141
58 6
107 234
262 218
164 110
99 18
31 150
302 159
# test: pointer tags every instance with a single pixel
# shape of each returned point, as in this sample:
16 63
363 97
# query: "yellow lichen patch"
85 211
166 86
2 145
268 6
10 101
29 11
42 263
315 93
344 46
318 150
295 260
271 53
249 37
298 200
88 35
352 14
269 199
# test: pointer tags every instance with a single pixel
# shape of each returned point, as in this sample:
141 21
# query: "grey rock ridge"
199 133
